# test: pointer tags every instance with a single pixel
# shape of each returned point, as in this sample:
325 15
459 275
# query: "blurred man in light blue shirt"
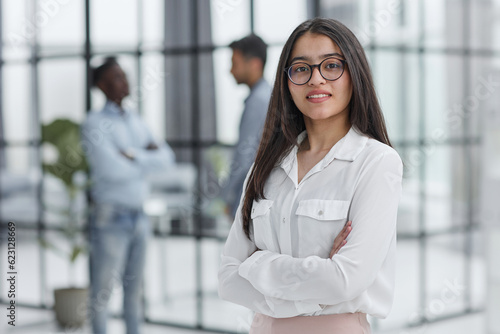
248 61
120 151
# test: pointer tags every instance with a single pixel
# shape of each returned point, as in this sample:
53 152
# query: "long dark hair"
284 121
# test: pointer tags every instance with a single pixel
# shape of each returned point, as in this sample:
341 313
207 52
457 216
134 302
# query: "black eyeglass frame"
287 70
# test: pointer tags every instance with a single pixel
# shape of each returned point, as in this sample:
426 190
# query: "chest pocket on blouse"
319 222
262 224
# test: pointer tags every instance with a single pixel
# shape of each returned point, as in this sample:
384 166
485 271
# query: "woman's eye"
301 69
333 65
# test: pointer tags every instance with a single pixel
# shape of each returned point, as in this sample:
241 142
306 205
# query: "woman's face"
320 99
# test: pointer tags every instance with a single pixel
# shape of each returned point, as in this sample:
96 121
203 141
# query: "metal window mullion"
371 42
88 56
467 157
88 106
316 8
403 93
140 34
252 16
422 169
165 53
32 7
3 162
196 156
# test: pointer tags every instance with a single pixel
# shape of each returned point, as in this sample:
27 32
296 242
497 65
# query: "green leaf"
77 250
64 134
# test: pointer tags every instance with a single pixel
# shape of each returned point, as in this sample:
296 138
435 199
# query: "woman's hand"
340 240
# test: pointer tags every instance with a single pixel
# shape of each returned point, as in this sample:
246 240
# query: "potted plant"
63 137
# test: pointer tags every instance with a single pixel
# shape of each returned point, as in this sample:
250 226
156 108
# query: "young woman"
324 159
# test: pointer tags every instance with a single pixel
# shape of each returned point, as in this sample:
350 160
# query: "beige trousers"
346 323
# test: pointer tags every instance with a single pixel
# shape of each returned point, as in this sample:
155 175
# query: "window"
429 60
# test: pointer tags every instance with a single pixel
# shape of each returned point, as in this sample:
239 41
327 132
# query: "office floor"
36 321
171 296
170 289
33 321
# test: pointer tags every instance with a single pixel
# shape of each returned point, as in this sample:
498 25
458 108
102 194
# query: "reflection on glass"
229 97
61 23
57 202
152 93
19 180
474 158
478 270
18 27
273 56
388 84
60 272
439 188
411 84
461 197
459 107
346 12
443 26
28 267
485 28
167 107
206 100
409 206
481 95
406 294
179 98
437 95
17 112
445 281
170 281
289 14
19 200
230 20
123 31
62 90
234 316
153 12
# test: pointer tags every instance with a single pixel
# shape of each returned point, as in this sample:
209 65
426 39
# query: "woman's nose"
316 77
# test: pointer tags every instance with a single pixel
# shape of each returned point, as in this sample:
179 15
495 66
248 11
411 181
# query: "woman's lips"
318 97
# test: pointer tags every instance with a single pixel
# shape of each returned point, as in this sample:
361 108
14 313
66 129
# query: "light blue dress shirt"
116 179
251 126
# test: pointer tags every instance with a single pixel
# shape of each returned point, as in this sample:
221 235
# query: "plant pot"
70 306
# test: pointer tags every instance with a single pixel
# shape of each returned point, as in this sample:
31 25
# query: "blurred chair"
18 195
171 203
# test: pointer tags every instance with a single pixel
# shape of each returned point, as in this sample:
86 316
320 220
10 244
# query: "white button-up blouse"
295 226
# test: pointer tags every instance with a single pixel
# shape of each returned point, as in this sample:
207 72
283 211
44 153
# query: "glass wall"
424 56
431 62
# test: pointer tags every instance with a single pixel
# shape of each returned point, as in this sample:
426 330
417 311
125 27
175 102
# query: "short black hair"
99 71
252 46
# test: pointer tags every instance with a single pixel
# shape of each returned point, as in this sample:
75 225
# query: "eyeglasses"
330 69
